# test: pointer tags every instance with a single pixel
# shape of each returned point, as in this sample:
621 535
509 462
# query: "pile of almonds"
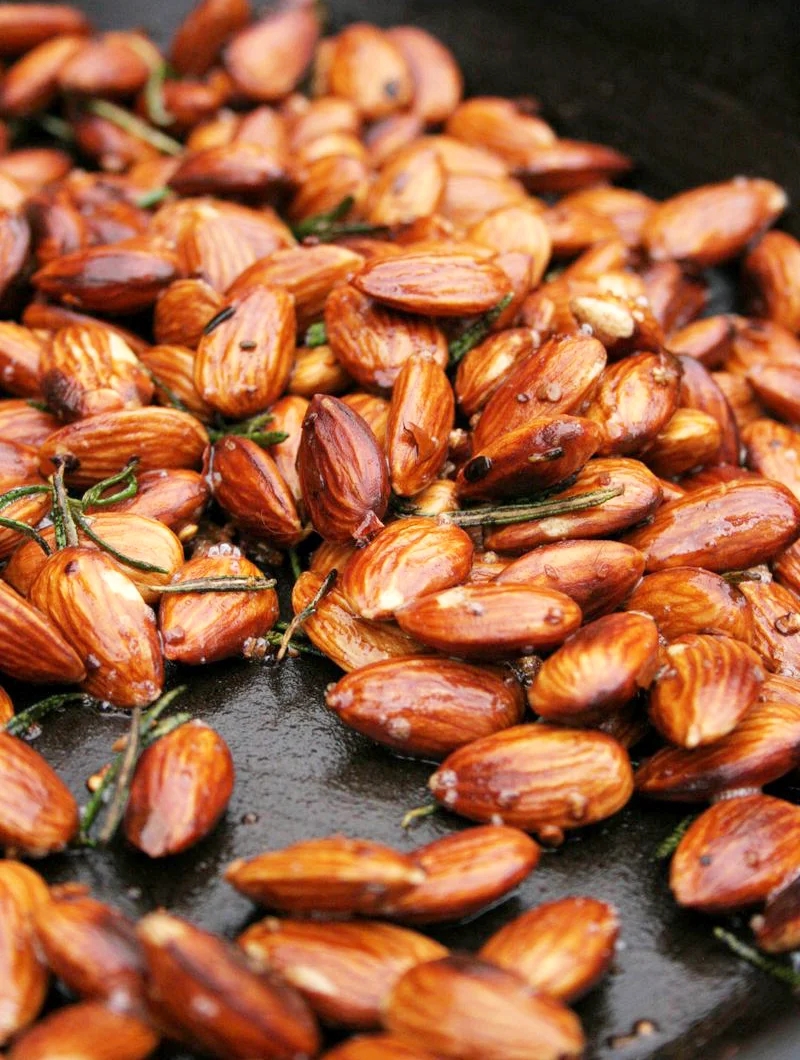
282 298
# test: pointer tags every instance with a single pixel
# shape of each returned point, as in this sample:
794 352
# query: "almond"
421 417
342 471
18 469
690 600
707 340
203 31
180 789
175 497
287 416
597 671
700 391
469 198
183 310
172 371
726 527
369 69
762 748
517 228
597 575
561 948
777 387
21 422
485 367
691 439
242 169
435 75
344 971
31 83
773 450
334 875
15 238
31 646
109 65
736 853
410 186
21 352
501 127
540 778
756 342
203 627
778 929
88 1030
39 815
566 165
425 707
326 183
773 269
268 59
6 707
465 872
23 26
635 400
776 626
25 975
463 1007
377 1047
626 208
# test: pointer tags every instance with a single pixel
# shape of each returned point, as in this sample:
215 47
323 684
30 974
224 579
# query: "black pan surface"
695 91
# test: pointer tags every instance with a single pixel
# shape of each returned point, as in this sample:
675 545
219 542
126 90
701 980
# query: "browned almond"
369 69
15 238
111 64
541 778
772 269
707 340
530 459
773 450
351 642
465 872
180 789
705 687
777 387
443 284
776 625
709 224
246 482
47 316
31 83
6 707
562 948
242 168
410 186
483 369
641 495
691 439
91 947
175 497
214 250
736 853
32 646
209 990
21 352
406 560
377 1047
23 26
200 36
203 627
119 645
103 444
786 568
425 707
344 971
267 59
635 400
172 371
691 600
287 416
326 183
421 417
88 1030
38 815
490 620
437 84
25 975
675 298
622 323
598 670
700 391
597 575
22 422
183 310
627 209
18 469
567 165
756 342
342 472
781 688
777 930
316 370
319 117
470 197
763 747
501 127
463 1007
517 228
334 875
557 378
726 527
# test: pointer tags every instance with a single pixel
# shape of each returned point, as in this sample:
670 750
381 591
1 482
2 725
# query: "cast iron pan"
695 92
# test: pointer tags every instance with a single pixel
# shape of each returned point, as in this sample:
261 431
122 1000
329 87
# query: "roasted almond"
485 367
21 352
777 930
776 387
773 450
409 186
38 814
773 270
776 625
88 1030
31 83
369 69
23 26
204 30
635 400
685 600
18 469
435 75
268 58
244 169
701 392
377 1047
501 127
174 496
21 422
31 646
707 340
25 974
421 416
183 310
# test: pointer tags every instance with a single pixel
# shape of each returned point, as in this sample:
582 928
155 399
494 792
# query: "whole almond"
635 400
421 416
464 873
485 367
436 77
203 31
517 228
599 669
38 815
369 69
172 372
562 948
31 83
267 59
776 387
376 1047
597 575
778 929
501 127
334 875
410 186
247 170
700 391
88 1030
726 527
627 209
773 450
183 310
425 706
773 268
463 1007
109 65
691 439
176 497
18 469
31 646
469 198
707 340
344 971
25 974
23 26
540 778
736 853
685 600
776 626
491 621
21 352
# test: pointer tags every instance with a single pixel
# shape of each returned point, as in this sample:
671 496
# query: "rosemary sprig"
152 198
123 778
28 531
275 638
418 813
294 563
778 971
476 332
222 584
135 126
523 513
325 227
316 335
95 496
301 617
251 429
63 522
56 127
154 96
21 722
669 845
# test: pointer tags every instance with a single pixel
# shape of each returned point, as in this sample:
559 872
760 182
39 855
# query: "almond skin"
38 814
736 853
536 777
31 646
180 789
463 1007
562 948
778 929
489 621
25 974
101 614
421 416
334 875
88 1029
685 600
344 971
175 497
246 1014
183 310
465 872
763 747
406 560
597 575
727 527
706 686
484 368
343 473
425 707
776 635
438 285
599 669
204 627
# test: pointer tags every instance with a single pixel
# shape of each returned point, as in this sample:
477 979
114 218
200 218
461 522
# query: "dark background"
695 92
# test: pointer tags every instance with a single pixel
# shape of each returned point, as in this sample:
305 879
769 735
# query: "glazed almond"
38 814
773 269
21 352
268 58
437 83
23 26
501 127
406 560
778 929
736 853
776 387
183 310
685 600
540 778
369 69
88 1030
776 626
421 417
561 948
24 973
773 450
203 31
700 391
635 400
31 646
491 621
425 706
409 186
599 669
377 1047
175 496
691 439
334 875
485 367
